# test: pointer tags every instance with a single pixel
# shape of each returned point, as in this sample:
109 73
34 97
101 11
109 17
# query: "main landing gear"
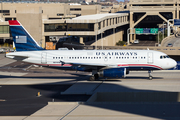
150 75
94 77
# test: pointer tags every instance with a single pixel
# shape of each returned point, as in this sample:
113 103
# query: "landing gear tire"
96 76
92 78
150 75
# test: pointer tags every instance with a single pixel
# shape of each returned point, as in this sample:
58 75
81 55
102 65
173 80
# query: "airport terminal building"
98 29
48 22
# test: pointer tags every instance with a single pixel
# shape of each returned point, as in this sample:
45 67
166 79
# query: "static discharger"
38 94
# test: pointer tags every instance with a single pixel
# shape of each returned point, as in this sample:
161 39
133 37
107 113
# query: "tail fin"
22 39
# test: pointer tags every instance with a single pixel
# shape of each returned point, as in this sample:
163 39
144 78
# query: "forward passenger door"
150 58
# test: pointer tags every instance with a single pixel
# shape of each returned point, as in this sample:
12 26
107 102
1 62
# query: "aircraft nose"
173 63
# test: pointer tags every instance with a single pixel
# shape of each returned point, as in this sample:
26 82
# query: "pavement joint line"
25 117
28 67
98 85
70 111
85 116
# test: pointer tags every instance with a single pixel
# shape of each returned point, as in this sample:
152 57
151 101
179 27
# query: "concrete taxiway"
127 106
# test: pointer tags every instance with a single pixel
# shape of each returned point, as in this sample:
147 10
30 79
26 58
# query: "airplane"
102 63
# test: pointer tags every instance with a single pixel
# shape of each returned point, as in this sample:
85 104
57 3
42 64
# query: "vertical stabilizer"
22 39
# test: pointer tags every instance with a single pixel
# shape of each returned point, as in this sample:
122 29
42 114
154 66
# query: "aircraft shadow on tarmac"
145 78
78 77
75 77
160 108
157 109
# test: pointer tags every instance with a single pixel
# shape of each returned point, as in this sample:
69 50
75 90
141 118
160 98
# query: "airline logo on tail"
22 39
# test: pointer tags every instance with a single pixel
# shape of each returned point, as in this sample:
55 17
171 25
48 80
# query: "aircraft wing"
89 64
97 65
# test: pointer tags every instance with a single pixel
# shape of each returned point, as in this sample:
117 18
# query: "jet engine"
113 72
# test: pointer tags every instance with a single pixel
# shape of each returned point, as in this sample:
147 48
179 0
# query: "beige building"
98 29
149 13
92 0
31 15
80 10
45 20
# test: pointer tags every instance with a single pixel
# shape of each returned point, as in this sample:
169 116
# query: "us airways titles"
117 53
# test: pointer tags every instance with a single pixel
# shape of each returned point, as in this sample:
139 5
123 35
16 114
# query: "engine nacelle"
113 72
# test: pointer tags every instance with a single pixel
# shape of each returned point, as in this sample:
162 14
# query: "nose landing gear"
150 75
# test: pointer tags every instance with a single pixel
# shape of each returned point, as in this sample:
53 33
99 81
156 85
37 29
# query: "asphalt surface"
175 41
144 43
17 100
22 100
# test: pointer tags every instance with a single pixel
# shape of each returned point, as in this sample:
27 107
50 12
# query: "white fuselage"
133 59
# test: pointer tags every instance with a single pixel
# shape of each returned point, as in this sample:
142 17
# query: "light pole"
96 32
102 39
128 36
168 32
129 32
163 28
158 38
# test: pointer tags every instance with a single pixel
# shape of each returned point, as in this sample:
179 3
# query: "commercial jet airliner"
102 63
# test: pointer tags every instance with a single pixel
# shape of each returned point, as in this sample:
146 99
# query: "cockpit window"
164 57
